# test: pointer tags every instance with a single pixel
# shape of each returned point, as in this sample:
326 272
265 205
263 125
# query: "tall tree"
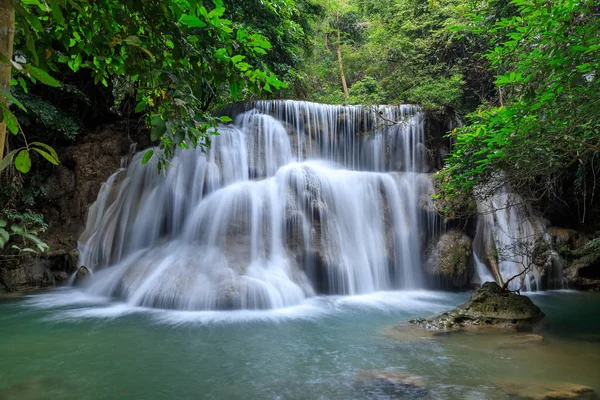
7 32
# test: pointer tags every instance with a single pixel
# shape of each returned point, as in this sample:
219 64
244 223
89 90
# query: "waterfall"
293 199
512 239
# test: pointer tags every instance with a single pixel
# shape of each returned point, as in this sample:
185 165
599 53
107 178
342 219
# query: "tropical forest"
300 199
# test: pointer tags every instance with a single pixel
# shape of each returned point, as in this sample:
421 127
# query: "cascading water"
293 199
513 241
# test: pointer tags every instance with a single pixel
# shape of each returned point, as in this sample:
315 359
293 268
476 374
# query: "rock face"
450 260
85 165
24 273
489 306
582 263
73 187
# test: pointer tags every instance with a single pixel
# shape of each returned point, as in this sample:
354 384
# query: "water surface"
64 345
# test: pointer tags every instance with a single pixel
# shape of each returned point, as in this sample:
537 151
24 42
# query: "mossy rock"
489 305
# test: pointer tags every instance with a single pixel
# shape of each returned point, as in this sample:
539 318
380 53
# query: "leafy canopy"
547 60
181 57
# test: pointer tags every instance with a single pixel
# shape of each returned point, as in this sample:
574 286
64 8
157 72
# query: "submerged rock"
22 273
394 384
489 305
82 275
521 341
550 391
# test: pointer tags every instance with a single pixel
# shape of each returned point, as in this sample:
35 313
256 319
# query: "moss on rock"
489 305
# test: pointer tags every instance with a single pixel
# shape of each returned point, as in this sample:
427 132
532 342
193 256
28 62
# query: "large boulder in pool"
488 306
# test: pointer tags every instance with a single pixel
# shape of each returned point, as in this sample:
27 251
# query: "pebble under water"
64 344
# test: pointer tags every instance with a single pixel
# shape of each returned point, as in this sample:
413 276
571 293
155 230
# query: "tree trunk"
339 54
7 34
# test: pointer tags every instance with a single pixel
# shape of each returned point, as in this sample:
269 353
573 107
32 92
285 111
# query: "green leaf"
41 5
23 161
225 118
4 237
17 229
132 40
47 156
192 21
48 148
140 106
147 156
158 128
31 46
43 77
23 85
56 12
7 160
8 118
12 98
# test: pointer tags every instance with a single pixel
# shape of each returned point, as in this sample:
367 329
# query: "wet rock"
488 306
548 391
521 341
451 260
395 384
72 260
23 273
82 275
583 273
60 276
562 236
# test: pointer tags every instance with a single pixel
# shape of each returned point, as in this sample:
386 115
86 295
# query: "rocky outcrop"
450 260
582 269
53 268
583 273
72 187
74 184
488 306
19 274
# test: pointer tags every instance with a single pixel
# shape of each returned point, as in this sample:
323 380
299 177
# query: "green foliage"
43 114
438 94
408 48
180 57
29 220
22 156
593 247
17 235
547 58
367 91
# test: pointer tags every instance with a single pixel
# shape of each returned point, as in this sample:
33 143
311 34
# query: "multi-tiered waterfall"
293 199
